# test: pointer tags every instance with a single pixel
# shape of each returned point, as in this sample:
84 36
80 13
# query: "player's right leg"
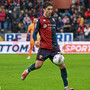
34 66
42 55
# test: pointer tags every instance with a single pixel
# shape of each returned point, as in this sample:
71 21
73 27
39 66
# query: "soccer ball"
58 59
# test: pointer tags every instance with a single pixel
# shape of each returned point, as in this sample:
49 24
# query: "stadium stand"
14 13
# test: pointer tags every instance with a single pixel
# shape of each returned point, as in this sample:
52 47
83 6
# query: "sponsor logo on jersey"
44 20
44 25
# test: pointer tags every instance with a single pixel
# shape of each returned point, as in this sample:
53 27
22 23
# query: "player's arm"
37 43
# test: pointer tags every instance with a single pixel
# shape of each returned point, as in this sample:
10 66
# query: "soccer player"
31 29
46 26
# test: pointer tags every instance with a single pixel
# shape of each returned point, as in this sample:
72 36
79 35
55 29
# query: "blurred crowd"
16 15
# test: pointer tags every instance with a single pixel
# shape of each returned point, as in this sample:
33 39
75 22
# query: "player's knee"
62 66
31 47
38 65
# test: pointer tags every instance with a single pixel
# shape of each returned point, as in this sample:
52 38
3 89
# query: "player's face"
48 11
35 20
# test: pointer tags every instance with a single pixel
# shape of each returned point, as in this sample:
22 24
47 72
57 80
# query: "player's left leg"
62 68
64 76
30 50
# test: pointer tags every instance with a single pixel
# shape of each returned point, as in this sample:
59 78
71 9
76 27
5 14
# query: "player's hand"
37 43
27 38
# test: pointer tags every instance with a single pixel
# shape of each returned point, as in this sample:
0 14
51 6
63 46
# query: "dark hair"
46 4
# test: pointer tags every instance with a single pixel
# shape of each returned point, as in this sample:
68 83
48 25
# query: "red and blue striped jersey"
47 30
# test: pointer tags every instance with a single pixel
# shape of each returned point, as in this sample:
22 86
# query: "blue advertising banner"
23 36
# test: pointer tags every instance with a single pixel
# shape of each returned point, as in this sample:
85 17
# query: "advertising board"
22 36
21 47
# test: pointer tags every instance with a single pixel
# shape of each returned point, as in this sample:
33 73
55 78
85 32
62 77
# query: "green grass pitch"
46 78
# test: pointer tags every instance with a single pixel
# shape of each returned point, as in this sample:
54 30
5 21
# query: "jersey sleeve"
36 30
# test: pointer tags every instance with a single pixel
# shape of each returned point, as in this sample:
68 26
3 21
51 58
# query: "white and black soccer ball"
58 59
